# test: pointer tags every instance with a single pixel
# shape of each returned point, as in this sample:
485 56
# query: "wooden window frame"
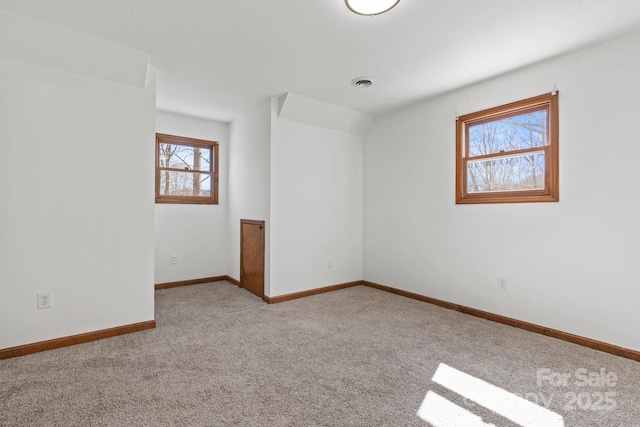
213 170
550 192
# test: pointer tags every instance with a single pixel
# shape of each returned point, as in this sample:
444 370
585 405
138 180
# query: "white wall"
249 179
76 216
197 234
570 265
316 207
40 43
306 183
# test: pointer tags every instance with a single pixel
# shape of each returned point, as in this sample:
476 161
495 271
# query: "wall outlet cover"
44 300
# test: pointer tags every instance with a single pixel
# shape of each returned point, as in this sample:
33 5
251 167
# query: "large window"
509 153
186 170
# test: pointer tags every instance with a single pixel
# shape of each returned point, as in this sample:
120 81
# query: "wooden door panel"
252 256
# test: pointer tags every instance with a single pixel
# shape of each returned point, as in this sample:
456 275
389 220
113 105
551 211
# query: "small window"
186 170
509 153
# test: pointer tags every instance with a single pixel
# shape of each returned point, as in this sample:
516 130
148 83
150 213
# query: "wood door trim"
251 222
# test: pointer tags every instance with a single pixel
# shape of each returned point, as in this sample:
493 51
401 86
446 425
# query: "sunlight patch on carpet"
440 412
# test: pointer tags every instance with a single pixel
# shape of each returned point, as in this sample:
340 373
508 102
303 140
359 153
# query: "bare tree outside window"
186 170
509 153
520 172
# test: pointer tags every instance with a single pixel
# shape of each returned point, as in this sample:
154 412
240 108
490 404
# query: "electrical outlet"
330 263
502 284
174 259
44 300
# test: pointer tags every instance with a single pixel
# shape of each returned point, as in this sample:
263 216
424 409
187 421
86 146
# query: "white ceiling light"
370 7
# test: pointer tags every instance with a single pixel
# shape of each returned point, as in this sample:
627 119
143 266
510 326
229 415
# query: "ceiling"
215 58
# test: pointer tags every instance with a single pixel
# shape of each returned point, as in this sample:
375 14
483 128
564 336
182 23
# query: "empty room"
319 213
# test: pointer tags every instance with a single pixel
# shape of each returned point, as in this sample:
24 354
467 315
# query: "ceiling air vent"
362 82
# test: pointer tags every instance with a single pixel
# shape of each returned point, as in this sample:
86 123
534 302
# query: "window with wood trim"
509 154
186 170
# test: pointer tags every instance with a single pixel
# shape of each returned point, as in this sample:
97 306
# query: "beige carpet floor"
354 357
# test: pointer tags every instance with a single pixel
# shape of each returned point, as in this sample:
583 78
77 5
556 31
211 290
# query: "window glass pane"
185 184
512 133
509 173
184 157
